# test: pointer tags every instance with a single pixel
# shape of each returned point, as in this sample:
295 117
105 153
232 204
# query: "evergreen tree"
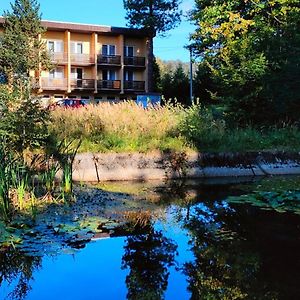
205 88
167 87
180 85
156 77
156 17
21 49
23 123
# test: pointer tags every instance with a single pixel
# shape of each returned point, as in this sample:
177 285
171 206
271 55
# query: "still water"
194 242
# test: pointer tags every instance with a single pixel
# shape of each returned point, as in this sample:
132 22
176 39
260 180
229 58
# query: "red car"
69 103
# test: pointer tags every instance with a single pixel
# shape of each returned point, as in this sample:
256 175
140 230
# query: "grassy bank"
126 127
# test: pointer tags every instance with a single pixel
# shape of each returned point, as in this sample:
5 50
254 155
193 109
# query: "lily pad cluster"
281 201
96 214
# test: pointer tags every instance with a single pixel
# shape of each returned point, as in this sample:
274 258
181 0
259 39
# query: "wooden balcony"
135 61
114 85
58 57
54 84
83 84
134 85
110 60
82 59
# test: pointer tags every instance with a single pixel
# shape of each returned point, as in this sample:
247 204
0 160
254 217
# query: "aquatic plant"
280 201
5 168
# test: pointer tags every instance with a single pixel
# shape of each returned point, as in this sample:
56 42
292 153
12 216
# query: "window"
108 50
51 46
128 51
129 75
56 73
77 47
109 75
55 46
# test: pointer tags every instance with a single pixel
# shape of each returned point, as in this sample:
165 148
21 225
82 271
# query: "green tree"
156 77
148 257
205 88
23 124
156 17
166 86
253 50
21 49
180 83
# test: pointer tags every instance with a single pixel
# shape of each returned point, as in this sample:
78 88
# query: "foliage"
175 83
119 127
127 127
21 50
148 257
281 201
155 17
23 122
252 49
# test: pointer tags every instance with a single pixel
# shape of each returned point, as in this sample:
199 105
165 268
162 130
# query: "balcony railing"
109 84
82 84
109 59
82 58
54 83
137 61
58 57
134 85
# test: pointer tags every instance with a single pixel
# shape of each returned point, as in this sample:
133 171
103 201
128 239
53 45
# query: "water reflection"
238 251
18 268
148 257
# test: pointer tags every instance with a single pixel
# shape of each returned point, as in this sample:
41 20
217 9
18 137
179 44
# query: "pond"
214 239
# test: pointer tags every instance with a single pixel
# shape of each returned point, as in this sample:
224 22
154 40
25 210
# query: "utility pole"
191 75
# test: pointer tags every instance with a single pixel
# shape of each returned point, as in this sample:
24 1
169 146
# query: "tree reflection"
226 266
16 266
148 256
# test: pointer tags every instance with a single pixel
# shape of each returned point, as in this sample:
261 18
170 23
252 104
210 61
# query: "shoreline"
101 167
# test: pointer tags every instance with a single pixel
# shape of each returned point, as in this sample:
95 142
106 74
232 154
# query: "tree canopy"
252 48
21 49
156 16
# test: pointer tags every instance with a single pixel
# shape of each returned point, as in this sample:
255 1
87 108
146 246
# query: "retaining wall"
91 167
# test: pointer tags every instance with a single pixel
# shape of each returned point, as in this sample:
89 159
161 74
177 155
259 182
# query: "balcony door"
108 50
109 75
108 78
77 76
129 51
129 75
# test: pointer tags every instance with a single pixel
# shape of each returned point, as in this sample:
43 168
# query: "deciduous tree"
252 48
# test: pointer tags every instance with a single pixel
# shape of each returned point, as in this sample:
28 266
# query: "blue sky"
112 13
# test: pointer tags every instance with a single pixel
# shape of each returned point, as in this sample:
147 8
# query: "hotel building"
92 62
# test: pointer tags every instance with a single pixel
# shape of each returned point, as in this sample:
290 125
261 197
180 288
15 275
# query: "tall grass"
120 127
127 127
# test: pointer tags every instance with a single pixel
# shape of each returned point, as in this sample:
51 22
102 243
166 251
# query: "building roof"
89 28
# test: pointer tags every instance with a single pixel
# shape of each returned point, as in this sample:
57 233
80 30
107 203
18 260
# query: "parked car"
69 103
